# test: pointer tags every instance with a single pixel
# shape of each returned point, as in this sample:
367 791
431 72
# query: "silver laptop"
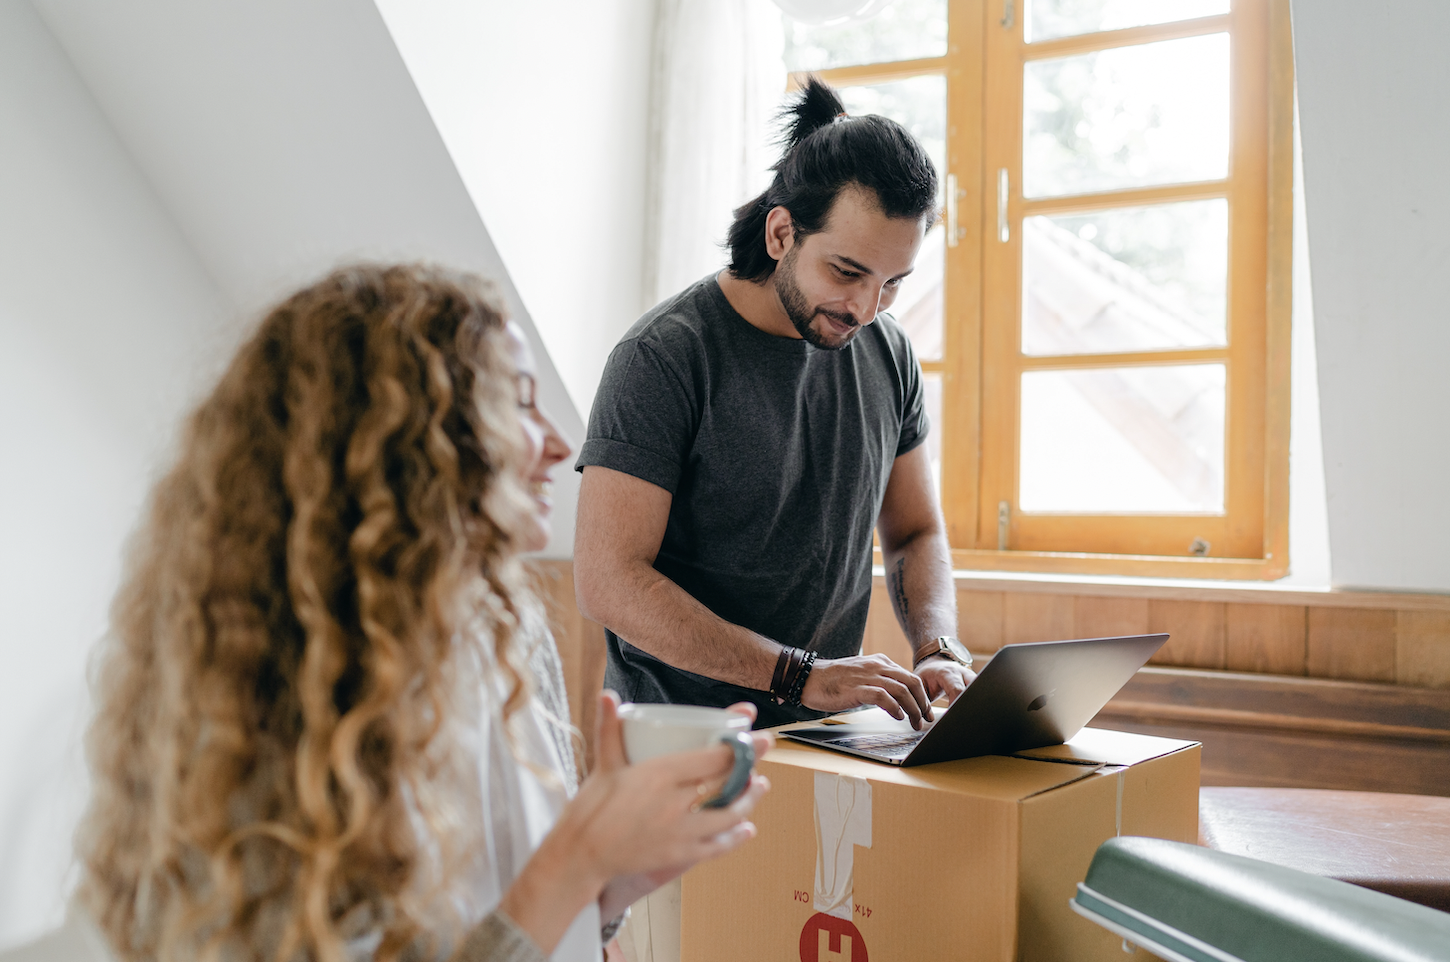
1027 696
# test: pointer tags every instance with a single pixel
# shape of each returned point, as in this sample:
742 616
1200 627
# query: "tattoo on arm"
896 580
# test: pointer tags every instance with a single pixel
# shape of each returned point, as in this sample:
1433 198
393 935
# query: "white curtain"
717 84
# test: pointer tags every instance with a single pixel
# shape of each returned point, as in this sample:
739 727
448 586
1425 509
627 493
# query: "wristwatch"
947 647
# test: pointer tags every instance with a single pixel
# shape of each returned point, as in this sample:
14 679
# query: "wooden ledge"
1171 590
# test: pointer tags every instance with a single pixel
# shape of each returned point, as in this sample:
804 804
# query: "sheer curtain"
718 81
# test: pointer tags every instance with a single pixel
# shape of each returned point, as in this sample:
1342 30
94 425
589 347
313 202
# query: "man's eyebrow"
857 265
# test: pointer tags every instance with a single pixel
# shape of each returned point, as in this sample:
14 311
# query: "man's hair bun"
819 159
818 106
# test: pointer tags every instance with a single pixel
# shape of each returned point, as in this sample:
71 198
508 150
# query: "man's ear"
779 232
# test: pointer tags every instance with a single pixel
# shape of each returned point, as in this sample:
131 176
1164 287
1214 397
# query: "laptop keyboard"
888 744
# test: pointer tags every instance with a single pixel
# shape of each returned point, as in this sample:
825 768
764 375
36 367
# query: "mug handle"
743 745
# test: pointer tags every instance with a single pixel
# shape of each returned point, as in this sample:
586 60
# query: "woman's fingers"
609 734
744 708
689 768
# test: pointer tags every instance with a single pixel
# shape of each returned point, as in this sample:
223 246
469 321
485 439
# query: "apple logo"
1039 702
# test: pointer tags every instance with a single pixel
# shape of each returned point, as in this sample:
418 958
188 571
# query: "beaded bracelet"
798 682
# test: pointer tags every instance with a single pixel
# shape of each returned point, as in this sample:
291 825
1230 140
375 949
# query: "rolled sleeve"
620 456
644 418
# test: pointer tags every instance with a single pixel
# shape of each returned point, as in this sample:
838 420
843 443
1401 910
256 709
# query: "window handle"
1004 524
1009 15
955 231
1004 233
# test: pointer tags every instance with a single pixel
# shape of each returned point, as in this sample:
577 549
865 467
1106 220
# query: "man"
750 432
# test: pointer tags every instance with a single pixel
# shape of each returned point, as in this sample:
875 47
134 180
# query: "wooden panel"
1352 644
979 620
1422 648
1267 638
1036 618
1195 629
1295 732
1108 617
1275 760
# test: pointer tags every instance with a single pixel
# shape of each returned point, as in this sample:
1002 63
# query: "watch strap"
940 646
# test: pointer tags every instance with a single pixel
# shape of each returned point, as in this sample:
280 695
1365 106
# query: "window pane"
1132 279
1064 18
1139 440
906 30
919 305
931 386
1156 113
918 104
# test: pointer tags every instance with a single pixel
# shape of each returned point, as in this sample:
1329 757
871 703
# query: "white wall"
168 168
285 138
108 322
544 109
1373 88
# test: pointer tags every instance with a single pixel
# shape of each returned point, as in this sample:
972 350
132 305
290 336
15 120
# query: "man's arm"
918 565
620 526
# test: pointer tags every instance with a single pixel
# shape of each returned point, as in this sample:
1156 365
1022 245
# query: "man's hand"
942 676
841 683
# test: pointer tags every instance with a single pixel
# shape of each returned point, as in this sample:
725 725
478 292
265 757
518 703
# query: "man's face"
833 283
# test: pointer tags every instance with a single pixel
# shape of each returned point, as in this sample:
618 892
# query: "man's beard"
801 313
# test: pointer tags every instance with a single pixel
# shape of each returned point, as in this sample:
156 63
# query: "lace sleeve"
497 938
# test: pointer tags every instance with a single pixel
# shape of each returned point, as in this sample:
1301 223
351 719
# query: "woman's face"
544 447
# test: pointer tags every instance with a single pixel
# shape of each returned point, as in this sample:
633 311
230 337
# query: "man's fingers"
913 695
903 696
882 699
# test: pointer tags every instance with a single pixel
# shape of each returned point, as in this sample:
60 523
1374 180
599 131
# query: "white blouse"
523 789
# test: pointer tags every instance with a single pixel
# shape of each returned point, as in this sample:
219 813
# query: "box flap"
992 776
1099 746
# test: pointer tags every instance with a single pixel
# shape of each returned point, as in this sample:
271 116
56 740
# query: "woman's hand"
640 823
623 891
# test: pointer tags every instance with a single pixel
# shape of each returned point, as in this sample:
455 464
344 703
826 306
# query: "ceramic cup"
654 730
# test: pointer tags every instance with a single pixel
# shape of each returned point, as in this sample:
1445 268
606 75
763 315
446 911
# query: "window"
1103 315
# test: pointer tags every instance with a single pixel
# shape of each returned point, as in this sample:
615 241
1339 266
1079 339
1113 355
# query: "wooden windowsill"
1188 589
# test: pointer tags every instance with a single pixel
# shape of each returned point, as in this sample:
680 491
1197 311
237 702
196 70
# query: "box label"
826 938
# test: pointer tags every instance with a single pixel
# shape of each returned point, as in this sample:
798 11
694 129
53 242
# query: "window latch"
1004 232
1009 15
1004 524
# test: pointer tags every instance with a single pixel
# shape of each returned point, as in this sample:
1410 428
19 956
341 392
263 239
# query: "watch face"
959 650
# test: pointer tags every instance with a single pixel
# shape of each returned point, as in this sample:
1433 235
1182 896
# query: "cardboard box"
966 860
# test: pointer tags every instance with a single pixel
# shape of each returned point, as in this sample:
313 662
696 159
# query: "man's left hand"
942 676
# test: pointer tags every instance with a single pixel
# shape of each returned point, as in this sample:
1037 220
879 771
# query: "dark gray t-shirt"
777 454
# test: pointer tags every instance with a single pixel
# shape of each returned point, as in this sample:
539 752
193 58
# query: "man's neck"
758 303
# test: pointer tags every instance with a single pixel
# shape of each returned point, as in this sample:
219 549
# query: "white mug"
654 730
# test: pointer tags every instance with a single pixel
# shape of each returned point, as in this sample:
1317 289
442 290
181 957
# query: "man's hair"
824 152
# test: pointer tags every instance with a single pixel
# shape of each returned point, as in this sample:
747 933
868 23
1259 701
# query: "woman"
331 725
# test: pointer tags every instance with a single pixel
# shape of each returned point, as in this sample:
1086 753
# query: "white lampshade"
832 11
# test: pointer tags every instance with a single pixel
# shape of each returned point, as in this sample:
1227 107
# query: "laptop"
1027 696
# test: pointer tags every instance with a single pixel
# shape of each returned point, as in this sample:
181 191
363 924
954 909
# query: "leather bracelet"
777 681
798 683
787 672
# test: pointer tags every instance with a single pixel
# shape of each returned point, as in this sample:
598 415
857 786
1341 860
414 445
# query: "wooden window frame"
981 362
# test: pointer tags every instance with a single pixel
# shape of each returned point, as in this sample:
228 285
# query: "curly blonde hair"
275 763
